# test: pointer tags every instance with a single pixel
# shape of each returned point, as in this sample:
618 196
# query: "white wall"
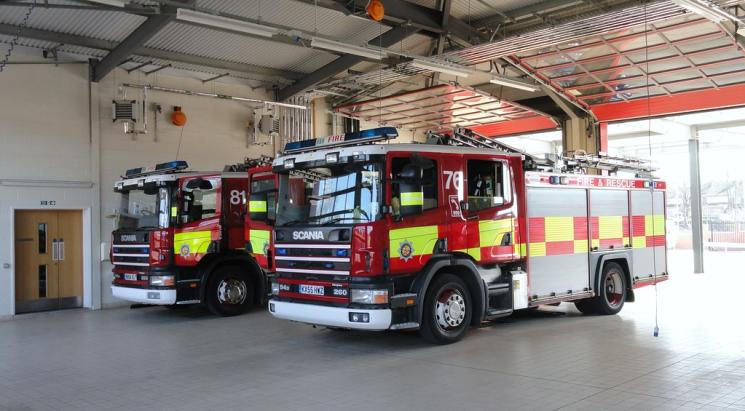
52 148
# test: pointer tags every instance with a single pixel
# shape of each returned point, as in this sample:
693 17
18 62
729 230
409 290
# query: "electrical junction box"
519 290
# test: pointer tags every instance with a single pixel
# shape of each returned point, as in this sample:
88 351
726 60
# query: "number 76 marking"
454 178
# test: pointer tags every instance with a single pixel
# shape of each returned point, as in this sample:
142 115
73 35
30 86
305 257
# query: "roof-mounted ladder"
574 162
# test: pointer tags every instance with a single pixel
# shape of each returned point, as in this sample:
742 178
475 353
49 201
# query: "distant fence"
725 234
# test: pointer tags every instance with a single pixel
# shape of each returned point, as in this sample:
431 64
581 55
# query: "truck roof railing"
574 162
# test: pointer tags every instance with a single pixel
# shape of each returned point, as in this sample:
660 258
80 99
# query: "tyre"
229 291
447 310
611 293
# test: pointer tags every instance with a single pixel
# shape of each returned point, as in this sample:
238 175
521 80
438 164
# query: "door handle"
54 249
61 254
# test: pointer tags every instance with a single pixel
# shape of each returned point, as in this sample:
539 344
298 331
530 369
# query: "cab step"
493 313
498 289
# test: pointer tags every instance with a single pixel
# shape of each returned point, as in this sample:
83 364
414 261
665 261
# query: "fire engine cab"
440 237
185 237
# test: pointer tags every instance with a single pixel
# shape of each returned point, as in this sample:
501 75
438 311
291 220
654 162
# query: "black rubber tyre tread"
429 329
225 310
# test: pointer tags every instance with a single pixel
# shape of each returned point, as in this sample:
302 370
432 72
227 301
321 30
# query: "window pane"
486 186
42 281
42 238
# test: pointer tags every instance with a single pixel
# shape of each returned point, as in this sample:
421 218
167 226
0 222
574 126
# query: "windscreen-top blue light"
340 140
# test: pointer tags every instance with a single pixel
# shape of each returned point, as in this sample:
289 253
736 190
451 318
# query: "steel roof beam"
386 39
404 13
135 40
190 59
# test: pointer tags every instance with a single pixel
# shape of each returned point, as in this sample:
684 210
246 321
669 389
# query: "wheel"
229 291
611 293
447 310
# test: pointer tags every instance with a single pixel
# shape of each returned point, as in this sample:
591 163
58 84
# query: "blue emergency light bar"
170 166
341 140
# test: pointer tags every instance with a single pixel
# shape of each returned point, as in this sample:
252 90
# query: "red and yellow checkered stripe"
648 231
550 236
609 232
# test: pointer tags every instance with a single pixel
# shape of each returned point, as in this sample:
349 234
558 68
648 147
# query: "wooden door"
70 259
48 250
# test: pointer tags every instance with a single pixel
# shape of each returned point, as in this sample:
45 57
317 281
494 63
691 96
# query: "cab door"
198 232
490 210
258 234
413 238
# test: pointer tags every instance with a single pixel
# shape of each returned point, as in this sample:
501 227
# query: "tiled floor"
156 358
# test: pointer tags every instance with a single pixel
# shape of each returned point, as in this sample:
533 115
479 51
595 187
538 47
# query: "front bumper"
144 295
330 316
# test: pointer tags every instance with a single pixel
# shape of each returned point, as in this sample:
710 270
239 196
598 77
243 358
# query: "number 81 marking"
237 197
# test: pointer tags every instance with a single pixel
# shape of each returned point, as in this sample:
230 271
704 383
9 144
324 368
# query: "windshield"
144 209
343 194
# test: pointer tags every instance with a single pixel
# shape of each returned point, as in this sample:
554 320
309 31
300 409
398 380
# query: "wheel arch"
623 260
253 271
461 267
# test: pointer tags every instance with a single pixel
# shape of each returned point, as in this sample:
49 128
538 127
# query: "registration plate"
311 289
130 277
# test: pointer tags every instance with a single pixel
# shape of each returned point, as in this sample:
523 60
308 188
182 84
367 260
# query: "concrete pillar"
580 133
697 223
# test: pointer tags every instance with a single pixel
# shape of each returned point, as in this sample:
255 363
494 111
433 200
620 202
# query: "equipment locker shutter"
648 233
609 219
557 240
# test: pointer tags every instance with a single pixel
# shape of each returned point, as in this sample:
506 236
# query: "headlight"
275 288
363 296
162 280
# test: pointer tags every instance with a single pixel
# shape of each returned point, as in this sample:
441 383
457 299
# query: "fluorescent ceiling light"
226 23
514 83
338 46
444 68
710 11
114 3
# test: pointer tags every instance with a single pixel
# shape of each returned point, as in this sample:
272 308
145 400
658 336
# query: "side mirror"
199 183
257 207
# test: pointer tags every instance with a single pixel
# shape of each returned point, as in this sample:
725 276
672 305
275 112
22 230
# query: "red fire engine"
185 237
441 237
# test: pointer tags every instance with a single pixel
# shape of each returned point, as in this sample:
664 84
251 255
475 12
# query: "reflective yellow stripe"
492 232
475 253
421 239
639 242
559 229
580 246
412 199
537 249
258 239
610 227
595 243
256 206
196 241
174 211
658 225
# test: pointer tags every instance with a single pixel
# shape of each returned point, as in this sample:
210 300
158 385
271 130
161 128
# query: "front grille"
324 259
134 255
